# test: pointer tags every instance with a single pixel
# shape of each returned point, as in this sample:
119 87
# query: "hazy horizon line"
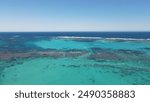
71 31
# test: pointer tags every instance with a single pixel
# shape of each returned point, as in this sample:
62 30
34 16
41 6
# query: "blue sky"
74 15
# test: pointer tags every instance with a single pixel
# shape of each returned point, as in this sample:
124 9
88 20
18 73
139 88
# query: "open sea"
75 58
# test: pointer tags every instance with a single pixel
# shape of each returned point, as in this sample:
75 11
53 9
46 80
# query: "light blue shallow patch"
1 42
126 45
60 44
106 44
54 71
71 71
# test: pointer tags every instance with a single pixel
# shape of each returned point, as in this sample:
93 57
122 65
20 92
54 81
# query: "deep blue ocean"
135 35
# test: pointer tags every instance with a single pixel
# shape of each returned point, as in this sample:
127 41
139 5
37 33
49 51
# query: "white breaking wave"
76 37
96 38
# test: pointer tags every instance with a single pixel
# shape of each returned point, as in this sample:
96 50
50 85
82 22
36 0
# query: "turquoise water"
61 44
64 44
107 44
73 71
60 71
45 59
78 61
1 42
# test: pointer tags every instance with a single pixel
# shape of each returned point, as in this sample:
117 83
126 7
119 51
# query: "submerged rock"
104 56
84 40
129 52
133 70
147 48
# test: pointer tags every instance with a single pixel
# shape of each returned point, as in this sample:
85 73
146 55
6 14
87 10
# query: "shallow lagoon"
74 60
60 43
74 71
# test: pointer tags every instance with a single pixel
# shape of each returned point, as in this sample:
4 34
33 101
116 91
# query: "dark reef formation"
147 48
53 54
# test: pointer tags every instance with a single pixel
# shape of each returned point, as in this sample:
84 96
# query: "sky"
74 15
